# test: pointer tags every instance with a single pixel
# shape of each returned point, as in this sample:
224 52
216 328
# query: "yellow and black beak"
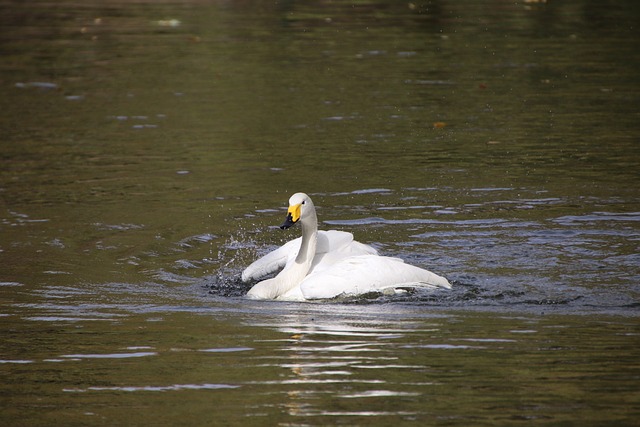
293 215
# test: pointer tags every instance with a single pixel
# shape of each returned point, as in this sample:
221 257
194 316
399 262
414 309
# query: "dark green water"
147 150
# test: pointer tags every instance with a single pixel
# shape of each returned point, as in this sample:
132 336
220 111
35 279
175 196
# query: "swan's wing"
367 273
341 241
271 262
330 240
335 246
332 246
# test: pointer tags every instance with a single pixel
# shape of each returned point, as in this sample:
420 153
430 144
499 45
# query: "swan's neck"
309 242
294 274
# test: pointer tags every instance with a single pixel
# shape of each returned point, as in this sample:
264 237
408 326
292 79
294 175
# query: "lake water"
147 153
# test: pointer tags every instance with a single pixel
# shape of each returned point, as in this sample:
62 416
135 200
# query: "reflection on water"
333 362
147 153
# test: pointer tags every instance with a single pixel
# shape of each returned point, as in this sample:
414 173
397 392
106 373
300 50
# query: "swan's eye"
303 202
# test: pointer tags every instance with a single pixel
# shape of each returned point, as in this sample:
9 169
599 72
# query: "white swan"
327 264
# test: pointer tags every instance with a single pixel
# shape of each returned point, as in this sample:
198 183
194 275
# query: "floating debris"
169 23
37 85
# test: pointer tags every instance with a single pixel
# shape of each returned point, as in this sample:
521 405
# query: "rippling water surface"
147 153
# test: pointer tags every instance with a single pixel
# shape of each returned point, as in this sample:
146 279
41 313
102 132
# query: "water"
147 154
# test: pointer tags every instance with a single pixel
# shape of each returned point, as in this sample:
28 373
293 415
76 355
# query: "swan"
327 264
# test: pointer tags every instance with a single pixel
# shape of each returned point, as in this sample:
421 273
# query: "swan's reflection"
339 363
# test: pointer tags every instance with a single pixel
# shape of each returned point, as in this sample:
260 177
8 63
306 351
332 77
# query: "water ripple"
110 355
174 387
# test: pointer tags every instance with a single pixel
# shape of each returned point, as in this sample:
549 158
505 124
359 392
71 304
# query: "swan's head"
300 207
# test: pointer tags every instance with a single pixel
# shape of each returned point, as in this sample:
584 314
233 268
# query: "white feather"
367 273
327 264
332 246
